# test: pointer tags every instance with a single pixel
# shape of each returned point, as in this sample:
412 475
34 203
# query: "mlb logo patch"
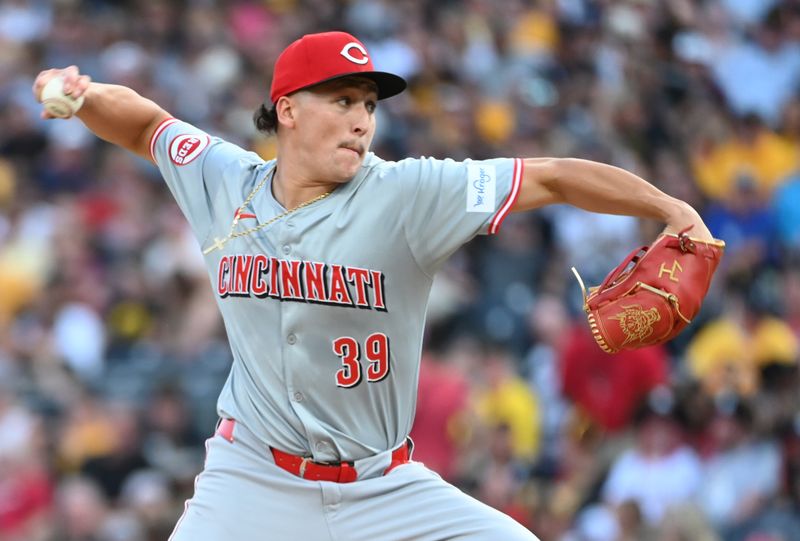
481 187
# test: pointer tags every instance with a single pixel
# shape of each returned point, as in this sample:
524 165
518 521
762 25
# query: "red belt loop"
347 473
401 455
225 428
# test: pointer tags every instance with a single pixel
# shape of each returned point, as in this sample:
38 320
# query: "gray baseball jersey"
325 307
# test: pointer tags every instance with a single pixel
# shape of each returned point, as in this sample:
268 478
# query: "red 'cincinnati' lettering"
338 292
360 278
258 284
241 280
260 276
378 302
274 265
314 280
290 279
222 276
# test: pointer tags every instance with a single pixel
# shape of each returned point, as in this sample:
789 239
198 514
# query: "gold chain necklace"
220 243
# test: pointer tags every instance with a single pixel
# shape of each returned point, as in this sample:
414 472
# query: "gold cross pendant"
218 245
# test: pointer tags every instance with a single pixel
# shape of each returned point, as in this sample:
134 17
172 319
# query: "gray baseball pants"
241 495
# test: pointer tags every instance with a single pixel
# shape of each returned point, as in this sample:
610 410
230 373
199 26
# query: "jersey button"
287 249
291 339
298 396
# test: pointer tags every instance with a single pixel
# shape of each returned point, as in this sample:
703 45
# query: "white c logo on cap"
345 52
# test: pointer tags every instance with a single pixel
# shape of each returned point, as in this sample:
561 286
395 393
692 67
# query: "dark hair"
266 120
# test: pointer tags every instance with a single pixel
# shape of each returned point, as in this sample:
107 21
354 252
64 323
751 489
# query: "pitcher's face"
334 126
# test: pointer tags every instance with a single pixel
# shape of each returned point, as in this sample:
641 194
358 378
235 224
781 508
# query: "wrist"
679 214
90 96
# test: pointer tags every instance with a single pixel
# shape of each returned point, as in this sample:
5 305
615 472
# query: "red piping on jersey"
163 125
516 181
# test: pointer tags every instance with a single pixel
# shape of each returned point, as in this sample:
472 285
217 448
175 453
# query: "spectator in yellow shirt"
506 399
728 353
752 150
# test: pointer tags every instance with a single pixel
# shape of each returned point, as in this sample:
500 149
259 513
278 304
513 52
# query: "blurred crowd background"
112 352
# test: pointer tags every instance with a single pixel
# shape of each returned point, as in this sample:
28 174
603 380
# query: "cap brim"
389 84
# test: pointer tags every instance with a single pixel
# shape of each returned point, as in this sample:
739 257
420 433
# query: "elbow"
548 175
141 143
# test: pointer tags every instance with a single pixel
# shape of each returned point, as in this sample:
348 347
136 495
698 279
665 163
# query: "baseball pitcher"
321 262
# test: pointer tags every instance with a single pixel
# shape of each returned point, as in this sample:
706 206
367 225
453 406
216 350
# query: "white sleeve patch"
184 148
481 187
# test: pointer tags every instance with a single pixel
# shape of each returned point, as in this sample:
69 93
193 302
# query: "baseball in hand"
57 103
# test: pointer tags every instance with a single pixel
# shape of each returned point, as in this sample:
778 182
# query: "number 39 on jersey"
349 350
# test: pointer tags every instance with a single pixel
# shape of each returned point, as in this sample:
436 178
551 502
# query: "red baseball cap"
317 58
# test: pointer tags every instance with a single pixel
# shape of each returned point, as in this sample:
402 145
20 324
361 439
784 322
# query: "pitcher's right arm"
114 113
